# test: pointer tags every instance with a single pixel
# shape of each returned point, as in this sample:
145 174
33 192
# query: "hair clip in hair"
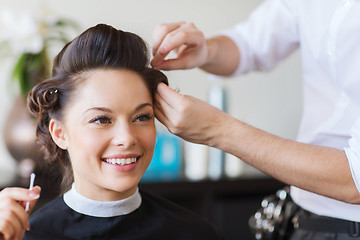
53 91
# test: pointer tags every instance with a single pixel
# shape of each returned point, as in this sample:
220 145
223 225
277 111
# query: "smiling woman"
109 132
96 119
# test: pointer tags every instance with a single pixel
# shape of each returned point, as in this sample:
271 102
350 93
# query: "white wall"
271 101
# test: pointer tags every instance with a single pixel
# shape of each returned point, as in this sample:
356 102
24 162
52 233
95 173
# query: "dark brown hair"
99 47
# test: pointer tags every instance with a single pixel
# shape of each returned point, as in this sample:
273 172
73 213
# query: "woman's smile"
122 162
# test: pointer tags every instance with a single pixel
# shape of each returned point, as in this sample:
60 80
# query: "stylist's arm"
13 217
319 169
188 117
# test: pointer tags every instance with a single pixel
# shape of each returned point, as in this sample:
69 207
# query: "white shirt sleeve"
269 35
353 153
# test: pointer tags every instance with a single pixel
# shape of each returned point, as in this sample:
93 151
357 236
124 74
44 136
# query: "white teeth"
122 161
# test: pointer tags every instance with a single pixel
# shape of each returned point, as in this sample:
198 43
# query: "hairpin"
53 91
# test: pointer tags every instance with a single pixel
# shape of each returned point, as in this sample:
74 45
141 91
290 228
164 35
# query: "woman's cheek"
151 137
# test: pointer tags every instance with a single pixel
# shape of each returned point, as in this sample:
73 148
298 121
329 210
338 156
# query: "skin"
110 116
218 55
317 169
13 217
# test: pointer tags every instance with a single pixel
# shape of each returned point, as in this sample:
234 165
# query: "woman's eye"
143 117
101 120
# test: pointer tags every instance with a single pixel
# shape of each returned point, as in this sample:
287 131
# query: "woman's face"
109 132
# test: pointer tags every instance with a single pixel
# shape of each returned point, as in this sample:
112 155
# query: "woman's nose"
124 136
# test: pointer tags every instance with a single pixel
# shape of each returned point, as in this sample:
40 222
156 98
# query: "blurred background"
270 101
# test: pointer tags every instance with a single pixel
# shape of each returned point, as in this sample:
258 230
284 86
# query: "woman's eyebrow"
142 106
102 109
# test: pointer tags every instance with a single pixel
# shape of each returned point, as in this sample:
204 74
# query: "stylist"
323 165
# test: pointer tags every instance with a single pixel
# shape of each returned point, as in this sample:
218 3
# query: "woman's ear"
58 134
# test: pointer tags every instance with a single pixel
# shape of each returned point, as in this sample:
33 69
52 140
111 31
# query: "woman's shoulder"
47 218
54 206
175 217
156 218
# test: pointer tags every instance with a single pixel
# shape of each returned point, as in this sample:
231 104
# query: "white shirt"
328 33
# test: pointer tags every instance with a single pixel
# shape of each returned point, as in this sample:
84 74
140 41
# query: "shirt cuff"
353 154
237 38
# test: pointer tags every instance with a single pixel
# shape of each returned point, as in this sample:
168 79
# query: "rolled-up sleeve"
353 153
269 35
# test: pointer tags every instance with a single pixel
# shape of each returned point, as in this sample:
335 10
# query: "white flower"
27 37
21 31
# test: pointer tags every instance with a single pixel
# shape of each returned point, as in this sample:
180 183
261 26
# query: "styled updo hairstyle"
99 47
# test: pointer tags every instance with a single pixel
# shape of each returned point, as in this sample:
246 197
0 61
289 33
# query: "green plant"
27 37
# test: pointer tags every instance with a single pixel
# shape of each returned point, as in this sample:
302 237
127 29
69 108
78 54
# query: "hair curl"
99 47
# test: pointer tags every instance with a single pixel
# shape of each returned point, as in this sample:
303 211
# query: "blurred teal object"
166 164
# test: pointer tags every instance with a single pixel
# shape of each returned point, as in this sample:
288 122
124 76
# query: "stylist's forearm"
314 168
223 56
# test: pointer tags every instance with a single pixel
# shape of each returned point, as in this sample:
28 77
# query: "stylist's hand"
188 117
185 39
13 217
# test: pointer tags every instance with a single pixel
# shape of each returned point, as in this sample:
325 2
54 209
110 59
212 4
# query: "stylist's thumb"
35 195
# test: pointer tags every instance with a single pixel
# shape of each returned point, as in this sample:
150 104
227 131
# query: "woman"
96 118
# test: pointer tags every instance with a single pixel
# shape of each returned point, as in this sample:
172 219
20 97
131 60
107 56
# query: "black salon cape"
156 218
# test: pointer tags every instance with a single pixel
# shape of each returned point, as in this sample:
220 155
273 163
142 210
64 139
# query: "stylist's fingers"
160 33
185 62
7 231
11 228
35 193
13 201
171 108
13 219
36 190
162 109
16 193
168 95
160 115
20 195
188 43
161 46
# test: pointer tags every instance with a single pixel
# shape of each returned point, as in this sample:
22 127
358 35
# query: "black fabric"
156 218
314 227
301 234
314 222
